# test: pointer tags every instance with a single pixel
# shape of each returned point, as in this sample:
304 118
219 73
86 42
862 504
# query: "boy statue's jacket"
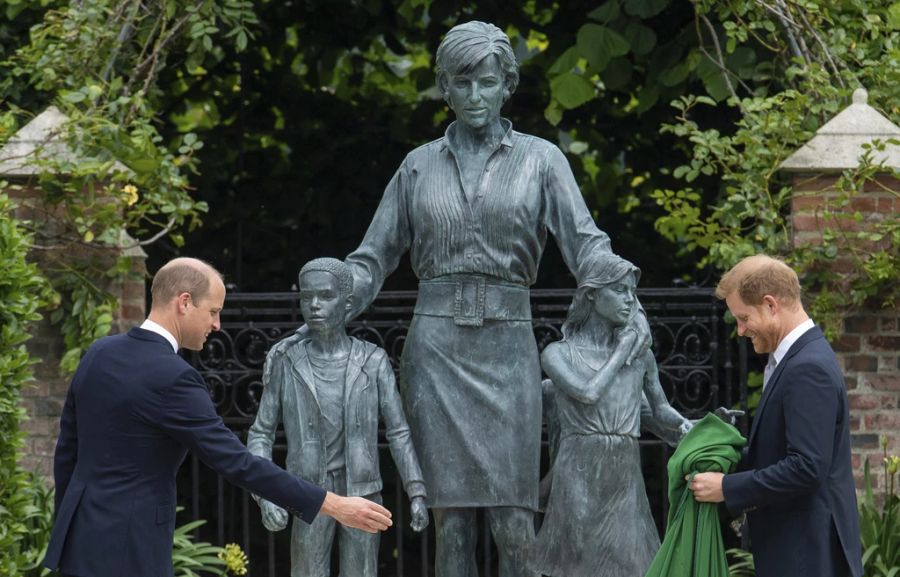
370 388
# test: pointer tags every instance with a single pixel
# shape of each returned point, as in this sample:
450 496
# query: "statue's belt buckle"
468 309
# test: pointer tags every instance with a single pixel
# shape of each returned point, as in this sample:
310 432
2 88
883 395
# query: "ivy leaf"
571 90
598 44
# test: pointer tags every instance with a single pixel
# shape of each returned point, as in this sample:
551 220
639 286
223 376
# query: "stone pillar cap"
40 139
838 145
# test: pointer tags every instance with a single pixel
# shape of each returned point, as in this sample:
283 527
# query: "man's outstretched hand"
356 512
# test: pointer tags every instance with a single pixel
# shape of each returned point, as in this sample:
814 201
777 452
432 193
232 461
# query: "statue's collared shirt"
526 190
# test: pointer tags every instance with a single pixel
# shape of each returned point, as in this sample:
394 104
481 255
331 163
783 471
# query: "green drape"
693 544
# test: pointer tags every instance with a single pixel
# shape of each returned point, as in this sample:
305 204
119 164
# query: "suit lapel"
806 338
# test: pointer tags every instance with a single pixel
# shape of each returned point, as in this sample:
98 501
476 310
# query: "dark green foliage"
24 504
880 526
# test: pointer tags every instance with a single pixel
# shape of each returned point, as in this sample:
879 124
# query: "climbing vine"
117 184
733 201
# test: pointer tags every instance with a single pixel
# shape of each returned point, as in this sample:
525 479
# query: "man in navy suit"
133 410
795 481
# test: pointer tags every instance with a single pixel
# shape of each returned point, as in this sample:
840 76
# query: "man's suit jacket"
133 410
290 397
796 482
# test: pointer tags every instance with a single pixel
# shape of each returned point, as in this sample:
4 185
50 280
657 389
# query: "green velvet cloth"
693 546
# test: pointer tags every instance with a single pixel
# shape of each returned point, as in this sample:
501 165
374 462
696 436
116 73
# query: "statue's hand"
639 325
728 415
274 518
683 429
419 513
626 338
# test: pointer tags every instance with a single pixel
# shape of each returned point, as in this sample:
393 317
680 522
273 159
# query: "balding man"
795 481
133 410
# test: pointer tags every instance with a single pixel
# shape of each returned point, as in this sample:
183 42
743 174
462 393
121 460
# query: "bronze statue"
328 391
598 521
474 209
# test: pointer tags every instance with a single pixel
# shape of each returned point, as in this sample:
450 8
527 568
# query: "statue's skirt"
472 396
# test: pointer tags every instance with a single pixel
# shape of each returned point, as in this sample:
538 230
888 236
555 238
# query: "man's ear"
349 304
771 304
183 301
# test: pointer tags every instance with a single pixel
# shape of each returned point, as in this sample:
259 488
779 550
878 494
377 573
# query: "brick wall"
868 347
44 398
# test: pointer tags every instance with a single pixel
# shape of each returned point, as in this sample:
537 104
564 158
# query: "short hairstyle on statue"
339 269
180 275
757 276
466 45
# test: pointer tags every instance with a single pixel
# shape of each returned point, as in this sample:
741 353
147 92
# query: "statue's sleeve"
565 215
385 242
262 433
397 430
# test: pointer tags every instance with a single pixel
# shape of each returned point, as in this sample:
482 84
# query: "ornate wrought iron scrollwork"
686 326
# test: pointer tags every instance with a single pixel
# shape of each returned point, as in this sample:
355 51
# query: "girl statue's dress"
598 521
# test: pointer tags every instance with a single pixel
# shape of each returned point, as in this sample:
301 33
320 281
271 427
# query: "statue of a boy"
328 390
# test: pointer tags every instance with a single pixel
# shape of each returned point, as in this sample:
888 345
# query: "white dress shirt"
786 343
154 327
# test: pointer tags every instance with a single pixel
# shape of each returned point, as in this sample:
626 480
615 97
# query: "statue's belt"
470 299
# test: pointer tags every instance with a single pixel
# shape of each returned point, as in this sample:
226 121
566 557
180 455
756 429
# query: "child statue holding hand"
328 391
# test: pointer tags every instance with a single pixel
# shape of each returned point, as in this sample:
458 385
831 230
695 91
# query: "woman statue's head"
606 285
465 46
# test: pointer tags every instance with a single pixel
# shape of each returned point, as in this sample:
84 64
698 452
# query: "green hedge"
24 510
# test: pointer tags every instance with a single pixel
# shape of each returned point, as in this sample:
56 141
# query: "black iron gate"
701 367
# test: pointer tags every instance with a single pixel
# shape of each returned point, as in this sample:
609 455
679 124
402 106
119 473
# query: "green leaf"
742 61
74 96
599 44
713 79
553 113
571 90
641 38
647 96
617 73
565 63
605 13
893 16
645 8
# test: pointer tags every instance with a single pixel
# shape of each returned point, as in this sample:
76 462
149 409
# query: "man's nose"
741 329
217 323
